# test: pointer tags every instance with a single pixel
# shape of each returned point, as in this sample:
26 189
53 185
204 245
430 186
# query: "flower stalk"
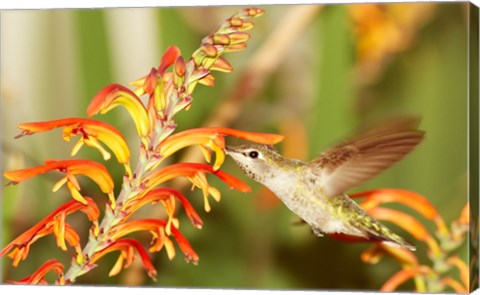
441 245
168 92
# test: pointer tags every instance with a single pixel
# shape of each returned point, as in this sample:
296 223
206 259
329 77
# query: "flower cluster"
167 92
441 245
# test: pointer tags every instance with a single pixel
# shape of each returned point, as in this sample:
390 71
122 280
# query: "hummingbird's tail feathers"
394 241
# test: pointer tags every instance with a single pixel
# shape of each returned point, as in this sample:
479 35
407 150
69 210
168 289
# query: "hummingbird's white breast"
303 195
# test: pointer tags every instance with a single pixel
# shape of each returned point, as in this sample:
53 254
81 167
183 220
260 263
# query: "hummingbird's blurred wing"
352 163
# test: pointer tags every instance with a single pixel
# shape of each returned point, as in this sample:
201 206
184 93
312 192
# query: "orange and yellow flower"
126 246
55 224
211 138
115 95
425 277
162 194
168 92
195 172
93 170
91 132
157 228
38 277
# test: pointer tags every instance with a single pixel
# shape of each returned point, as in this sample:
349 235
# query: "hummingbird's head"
257 161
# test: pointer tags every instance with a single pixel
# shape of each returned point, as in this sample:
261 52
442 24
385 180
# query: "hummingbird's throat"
249 172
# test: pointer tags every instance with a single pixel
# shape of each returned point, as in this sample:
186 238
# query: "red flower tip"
38 277
91 132
163 194
91 169
151 81
190 170
53 223
126 246
158 229
168 58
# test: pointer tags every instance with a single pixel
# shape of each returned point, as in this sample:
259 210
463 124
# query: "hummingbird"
316 190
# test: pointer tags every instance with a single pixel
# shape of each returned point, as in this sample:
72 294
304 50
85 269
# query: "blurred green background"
352 65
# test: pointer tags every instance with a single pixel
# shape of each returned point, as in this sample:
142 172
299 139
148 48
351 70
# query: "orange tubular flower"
195 172
53 223
38 277
169 89
161 194
90 131
462 267
168 58
403 276
211 137
91 169
115 95
153 84
126 246
157 228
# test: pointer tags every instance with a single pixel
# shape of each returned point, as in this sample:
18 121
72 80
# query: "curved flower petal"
91 169
403 276
38 277
19 247
211 137
190 170
161 194
195 172
455 285
126 247
114 95
153 225
90 130
168 58
462 267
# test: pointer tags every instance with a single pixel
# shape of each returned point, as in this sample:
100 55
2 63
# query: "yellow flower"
91 132
91 169
114 95
54 223
211 138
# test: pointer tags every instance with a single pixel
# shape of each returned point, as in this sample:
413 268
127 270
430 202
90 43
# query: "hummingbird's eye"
253 154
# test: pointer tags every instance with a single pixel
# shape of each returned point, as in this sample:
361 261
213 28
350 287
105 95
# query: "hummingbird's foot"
318 232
